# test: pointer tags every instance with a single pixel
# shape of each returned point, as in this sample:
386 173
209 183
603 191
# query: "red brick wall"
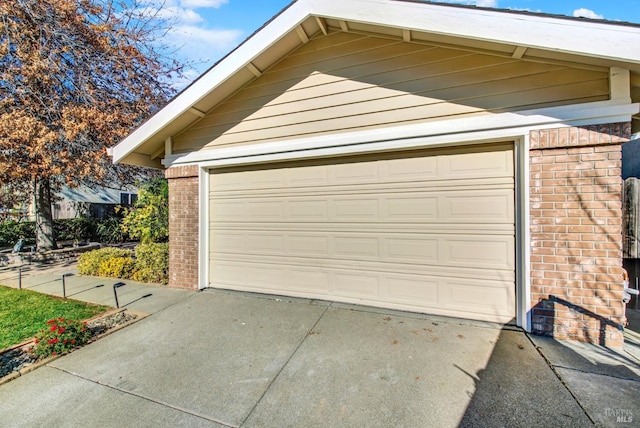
576 232
183 226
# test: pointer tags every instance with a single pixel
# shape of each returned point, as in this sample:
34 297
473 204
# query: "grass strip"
23 313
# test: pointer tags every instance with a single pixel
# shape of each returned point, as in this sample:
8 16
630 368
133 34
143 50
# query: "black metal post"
115 293
20 278
64 284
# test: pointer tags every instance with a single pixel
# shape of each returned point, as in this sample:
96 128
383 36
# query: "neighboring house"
426 157
98 202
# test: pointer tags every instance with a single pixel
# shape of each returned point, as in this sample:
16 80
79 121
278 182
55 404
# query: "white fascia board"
523 234
582 37
244 54
453 131
203 229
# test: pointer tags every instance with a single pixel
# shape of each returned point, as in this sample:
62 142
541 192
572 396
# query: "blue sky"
205 30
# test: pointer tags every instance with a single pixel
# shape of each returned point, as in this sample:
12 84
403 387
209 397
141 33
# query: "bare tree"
76 76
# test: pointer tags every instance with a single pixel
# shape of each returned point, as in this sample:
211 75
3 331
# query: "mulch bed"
16 360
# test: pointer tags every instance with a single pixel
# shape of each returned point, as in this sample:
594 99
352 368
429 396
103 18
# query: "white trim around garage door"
513 128
521 154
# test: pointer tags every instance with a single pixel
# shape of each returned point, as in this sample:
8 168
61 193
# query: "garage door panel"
360 285
411 249
411 207
411 169
474 164
429 231
480 297
308 280
273 210
305 209
477 165
478 252
309 245
354 173
477 298
408 289
232 274
379 268
227 210
374 189
454 206
481 253
228 242
356 247
479 207
308 176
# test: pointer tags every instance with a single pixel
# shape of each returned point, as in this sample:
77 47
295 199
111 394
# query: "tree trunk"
45 235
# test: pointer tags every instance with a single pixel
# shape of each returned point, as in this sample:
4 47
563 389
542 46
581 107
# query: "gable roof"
498 32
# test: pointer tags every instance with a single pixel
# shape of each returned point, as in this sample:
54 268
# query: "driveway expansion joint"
295 351
143 397
573 369
560 378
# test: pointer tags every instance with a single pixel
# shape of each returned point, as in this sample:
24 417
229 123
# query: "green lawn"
23 313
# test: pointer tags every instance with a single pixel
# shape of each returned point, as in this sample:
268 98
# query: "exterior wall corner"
576 232
183 226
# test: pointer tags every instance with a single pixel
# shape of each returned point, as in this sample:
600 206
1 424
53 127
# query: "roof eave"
595 39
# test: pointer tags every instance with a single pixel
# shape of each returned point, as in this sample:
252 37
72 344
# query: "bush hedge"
71 229
89 263
151 263
12 231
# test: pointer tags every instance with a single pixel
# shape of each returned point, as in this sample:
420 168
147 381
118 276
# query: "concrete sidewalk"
47 278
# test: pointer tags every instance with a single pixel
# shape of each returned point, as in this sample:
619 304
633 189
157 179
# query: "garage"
428 231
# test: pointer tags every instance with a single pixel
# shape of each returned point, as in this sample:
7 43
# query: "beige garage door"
429 231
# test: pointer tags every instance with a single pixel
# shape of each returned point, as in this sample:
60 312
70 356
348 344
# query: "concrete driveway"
232 359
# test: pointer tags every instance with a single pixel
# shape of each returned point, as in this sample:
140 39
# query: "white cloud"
194 4
179 15
190 38
586 13
202 45
480 3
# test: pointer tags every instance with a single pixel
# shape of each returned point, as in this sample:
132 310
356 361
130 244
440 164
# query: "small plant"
60 337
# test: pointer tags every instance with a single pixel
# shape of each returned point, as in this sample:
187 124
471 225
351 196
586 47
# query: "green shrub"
109 231
152 263
12 231
75 229
60 336
148 219
89 262
117 267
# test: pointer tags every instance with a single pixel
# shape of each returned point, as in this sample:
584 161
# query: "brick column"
576 232
183 226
